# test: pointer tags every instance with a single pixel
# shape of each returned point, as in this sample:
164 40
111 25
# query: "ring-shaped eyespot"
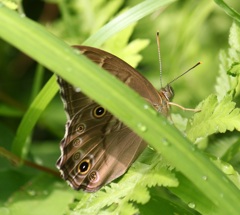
77 142
99 112
93 176
84 166
76 156
80 128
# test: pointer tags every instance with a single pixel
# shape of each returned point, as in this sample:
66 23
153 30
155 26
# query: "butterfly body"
98 148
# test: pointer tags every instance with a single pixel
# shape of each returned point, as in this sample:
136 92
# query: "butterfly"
97 147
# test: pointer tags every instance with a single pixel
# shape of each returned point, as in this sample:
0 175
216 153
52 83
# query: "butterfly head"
167 92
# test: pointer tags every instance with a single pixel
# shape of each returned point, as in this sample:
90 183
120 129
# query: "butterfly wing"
103 144
97 147
123 72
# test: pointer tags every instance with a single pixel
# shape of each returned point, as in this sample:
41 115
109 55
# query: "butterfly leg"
183 108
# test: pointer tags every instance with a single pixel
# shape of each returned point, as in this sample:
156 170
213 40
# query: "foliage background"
189 31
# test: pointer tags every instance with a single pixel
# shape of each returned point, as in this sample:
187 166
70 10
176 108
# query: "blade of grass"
37 82
122 21
228 10
20 148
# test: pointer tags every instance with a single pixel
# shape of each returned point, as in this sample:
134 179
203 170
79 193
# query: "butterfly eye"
84 166
99 112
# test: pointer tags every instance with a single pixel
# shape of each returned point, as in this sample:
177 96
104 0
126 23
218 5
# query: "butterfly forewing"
125 73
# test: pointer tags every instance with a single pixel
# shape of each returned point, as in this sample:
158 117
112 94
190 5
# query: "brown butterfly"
98 148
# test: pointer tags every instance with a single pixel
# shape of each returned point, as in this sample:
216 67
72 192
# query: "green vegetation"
178 176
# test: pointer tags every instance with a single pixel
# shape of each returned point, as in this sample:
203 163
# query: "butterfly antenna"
184 72
159 58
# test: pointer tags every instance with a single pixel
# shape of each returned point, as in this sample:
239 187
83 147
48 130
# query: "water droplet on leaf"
146 106
228 169
191 205
142 127
165 142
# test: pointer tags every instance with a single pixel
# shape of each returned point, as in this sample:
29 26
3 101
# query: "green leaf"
235 69
223 85
234 38
214 117
129 52
229 65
